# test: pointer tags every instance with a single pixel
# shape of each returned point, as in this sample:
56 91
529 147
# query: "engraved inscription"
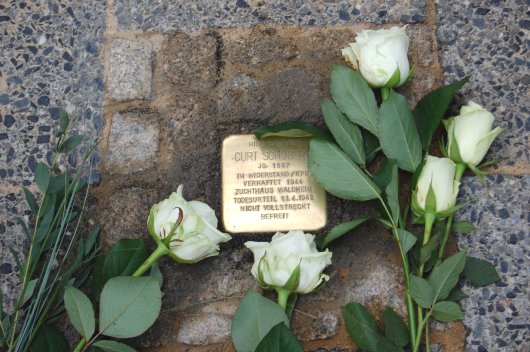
267 186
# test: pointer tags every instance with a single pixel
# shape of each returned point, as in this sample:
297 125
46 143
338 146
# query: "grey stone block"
130 69
133 143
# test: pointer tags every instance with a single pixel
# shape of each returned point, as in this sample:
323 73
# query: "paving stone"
500 214
192 62
258 46
205 330
133 143
130 69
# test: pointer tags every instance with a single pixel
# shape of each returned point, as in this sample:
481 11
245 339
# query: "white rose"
196 237
470 134
438 173
275 262
380 56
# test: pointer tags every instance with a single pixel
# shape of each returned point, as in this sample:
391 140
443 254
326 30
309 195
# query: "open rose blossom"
195 238
275 261
380 56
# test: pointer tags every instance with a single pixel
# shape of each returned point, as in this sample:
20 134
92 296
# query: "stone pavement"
162 83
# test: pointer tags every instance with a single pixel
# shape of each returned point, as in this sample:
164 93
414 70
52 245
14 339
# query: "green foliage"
447 311
406 240
346 133
123 259
254 318
456 295
58 255
337 173
80 311
291 129
354 97
445 276
112 346
462 227
361 326
279 339
363 330
396 330
49 339
129 306
480 272
71 143
430 110
42 177
339 231
421 291
397 132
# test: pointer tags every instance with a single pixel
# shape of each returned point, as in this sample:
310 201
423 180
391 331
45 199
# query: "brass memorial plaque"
267 186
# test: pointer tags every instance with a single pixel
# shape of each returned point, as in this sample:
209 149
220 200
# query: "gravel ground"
50 55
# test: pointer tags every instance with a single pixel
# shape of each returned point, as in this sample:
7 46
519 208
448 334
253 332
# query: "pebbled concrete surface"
51 54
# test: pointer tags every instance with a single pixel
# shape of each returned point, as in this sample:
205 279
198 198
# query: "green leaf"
395 330
64 120
91 240
71 143
30 199
337 173
371 145
124 258
280 339
385 345
254 318
113 346
346 133
431 109
447 311
445 276
98 279
462 227
384 176
406 239
338 231
58 183
49 339
80 311
291 129
397 132
456 295
480 272
129 306
421 291
42 177
361 326
30 288
354 97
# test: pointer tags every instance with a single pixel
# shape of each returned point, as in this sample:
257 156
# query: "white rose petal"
275 262
438 173
378 54
196 237
472 132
